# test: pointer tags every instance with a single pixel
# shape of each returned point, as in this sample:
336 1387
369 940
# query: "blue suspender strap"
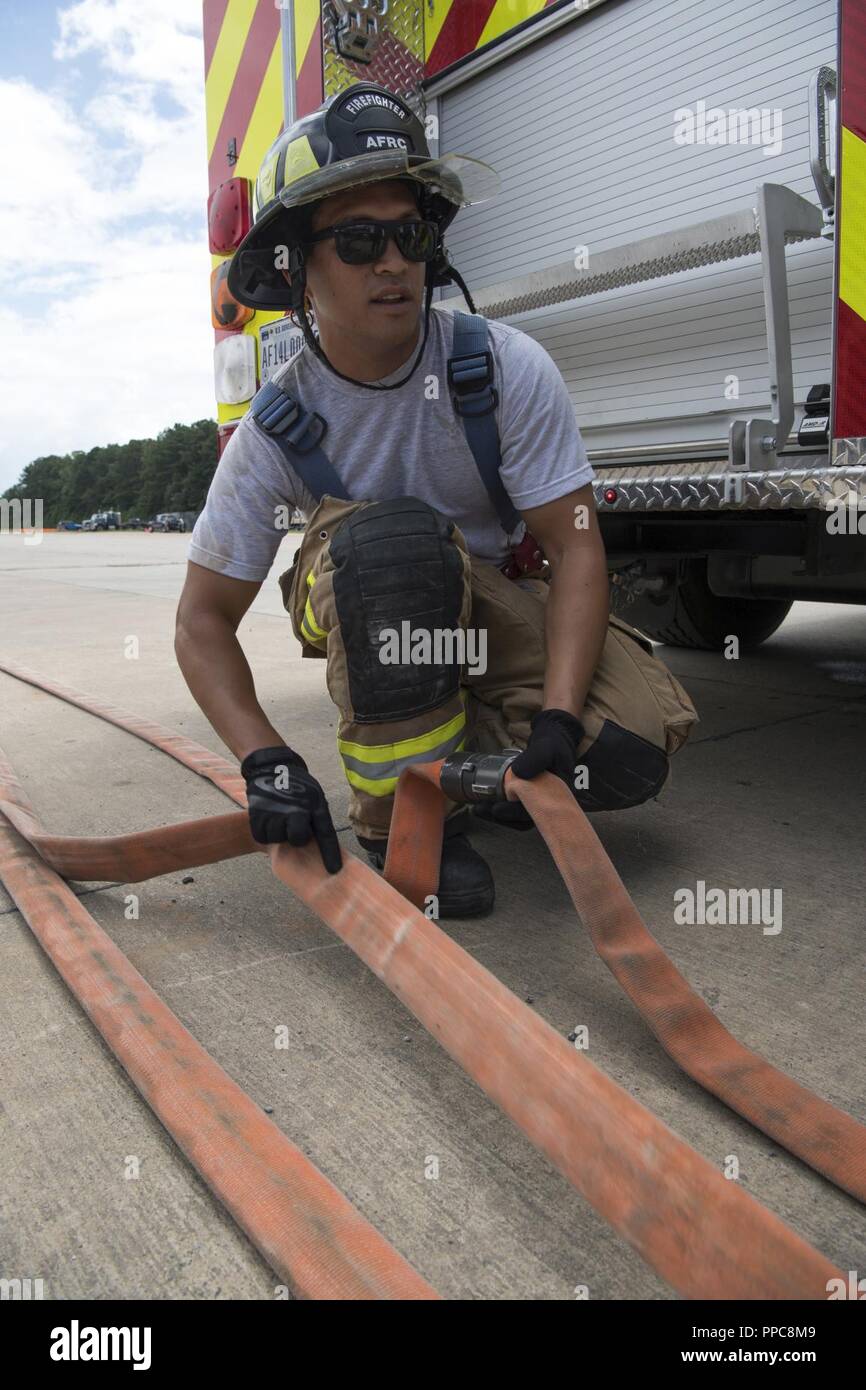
474 397
298 433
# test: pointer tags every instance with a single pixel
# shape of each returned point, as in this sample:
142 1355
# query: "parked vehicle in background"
102 521
69 526
170 521
134 523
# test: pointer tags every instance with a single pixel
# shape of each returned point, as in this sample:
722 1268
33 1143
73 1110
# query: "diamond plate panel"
849 453
397 60
712 486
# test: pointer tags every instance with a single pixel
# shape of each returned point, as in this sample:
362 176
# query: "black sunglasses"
362 243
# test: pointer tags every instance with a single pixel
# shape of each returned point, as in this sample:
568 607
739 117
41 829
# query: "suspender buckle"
470 379
279 414
305 431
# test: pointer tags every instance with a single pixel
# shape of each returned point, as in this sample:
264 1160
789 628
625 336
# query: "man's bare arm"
212 660
577 607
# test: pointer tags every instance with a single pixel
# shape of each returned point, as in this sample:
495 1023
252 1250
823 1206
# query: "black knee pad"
624 770
395 562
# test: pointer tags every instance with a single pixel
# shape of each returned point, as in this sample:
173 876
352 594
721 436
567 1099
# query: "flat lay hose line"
829 1140
308 1232
703 1234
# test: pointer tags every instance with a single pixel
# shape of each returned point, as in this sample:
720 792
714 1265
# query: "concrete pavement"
769 793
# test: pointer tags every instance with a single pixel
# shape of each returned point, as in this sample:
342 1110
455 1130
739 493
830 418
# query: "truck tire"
689 614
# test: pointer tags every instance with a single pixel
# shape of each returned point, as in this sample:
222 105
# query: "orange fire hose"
827 1139
141 855
704 1235
305 1228
691 1224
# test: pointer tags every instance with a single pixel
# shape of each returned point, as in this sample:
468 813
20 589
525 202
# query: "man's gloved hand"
552 746
286 803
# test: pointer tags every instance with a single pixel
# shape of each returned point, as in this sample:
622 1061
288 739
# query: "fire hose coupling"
476 776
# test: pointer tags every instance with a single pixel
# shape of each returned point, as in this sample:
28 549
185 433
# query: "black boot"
465 881
512 814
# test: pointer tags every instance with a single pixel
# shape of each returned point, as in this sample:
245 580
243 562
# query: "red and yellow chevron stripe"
308 56
453 28
243 84
849 395
244 78
243 104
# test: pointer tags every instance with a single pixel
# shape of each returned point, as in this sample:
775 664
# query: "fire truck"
681 226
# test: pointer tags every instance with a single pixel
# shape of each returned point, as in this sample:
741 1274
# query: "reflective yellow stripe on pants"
309 626
375 768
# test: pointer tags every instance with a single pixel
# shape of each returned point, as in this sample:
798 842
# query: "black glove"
552 746
286 803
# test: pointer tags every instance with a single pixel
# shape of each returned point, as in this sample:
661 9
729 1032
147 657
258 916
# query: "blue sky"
104 314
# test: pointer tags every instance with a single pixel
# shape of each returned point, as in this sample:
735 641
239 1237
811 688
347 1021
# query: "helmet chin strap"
439 272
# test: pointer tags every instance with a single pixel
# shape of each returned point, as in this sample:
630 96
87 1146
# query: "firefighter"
451 572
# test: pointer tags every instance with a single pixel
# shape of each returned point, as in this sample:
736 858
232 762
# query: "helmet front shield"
460 179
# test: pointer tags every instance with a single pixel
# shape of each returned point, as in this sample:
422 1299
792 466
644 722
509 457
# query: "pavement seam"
756 728
693 678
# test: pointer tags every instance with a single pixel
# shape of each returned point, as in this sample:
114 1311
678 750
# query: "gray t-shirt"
402 443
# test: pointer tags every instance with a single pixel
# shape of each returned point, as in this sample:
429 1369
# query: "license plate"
279 342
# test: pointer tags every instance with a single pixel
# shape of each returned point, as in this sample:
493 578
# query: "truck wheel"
688 614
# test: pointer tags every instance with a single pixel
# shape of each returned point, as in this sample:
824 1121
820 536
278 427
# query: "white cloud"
104 326
123 361
156 43
53 210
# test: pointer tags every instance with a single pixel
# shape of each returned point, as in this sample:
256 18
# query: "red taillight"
224 434
610 495
225 311
229 216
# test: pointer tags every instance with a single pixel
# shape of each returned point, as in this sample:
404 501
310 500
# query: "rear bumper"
798 482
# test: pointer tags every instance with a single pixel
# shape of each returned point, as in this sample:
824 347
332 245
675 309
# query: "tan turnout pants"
636 713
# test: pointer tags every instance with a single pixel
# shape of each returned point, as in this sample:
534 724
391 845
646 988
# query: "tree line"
171 473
